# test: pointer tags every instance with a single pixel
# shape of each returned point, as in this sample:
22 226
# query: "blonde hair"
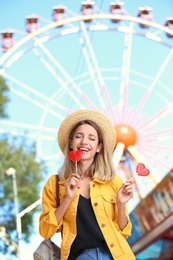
102 166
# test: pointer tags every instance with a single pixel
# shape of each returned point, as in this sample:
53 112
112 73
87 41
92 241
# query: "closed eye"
92 139
78 136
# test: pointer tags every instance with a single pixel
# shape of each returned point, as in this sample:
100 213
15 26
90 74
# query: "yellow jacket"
103 200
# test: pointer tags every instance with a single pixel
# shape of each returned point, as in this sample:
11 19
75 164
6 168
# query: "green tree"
18 154
29 173
4 99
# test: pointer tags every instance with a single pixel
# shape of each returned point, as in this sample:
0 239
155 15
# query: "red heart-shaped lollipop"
142 170
75 156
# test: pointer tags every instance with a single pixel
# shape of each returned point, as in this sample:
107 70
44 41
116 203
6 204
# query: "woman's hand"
125 193
71 185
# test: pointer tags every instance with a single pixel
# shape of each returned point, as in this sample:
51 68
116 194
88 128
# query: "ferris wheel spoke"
159 133
52 156
118 115
32 92
159 161
129 115
71 12
117 154
152 121
155 147
89 55
161 141
162 69
69 80
125 71
150 145
92 75
62 83
35 102
21 129
138 121
154 83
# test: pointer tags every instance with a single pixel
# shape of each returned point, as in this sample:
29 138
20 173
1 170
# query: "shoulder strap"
57 190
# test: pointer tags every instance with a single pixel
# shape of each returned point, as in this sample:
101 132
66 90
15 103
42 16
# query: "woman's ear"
99 147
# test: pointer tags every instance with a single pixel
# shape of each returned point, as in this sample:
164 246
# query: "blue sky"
36 78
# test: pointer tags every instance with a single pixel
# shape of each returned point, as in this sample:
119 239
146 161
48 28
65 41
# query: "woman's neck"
84 167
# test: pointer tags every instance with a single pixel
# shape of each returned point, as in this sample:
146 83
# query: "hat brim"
104 122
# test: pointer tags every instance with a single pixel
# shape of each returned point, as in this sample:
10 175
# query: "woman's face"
86 139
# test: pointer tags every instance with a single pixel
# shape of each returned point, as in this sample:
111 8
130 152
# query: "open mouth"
84 149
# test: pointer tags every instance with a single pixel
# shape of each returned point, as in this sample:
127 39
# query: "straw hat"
69 123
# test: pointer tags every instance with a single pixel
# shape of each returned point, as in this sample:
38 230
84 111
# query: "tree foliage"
29 173
16 153
4 99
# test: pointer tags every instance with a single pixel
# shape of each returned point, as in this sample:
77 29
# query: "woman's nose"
84 140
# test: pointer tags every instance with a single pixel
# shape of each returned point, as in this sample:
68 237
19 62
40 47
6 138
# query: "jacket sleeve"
126 232
48 224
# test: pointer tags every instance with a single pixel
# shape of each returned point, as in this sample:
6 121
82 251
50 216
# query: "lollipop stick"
76 167
131 178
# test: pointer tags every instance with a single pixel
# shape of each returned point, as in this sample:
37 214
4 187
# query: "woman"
92 214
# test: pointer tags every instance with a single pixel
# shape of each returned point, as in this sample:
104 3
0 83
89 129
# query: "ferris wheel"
108 61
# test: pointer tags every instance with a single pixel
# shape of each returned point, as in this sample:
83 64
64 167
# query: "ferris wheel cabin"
87 9
7 40
169 24
59 13
32 23
145 13
117 9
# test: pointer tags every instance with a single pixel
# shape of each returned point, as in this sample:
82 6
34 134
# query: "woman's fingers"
128 188
72 182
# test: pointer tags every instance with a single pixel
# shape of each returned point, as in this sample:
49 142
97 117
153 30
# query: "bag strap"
57 191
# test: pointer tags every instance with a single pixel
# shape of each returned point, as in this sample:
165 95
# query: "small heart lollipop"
142 170
75 156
